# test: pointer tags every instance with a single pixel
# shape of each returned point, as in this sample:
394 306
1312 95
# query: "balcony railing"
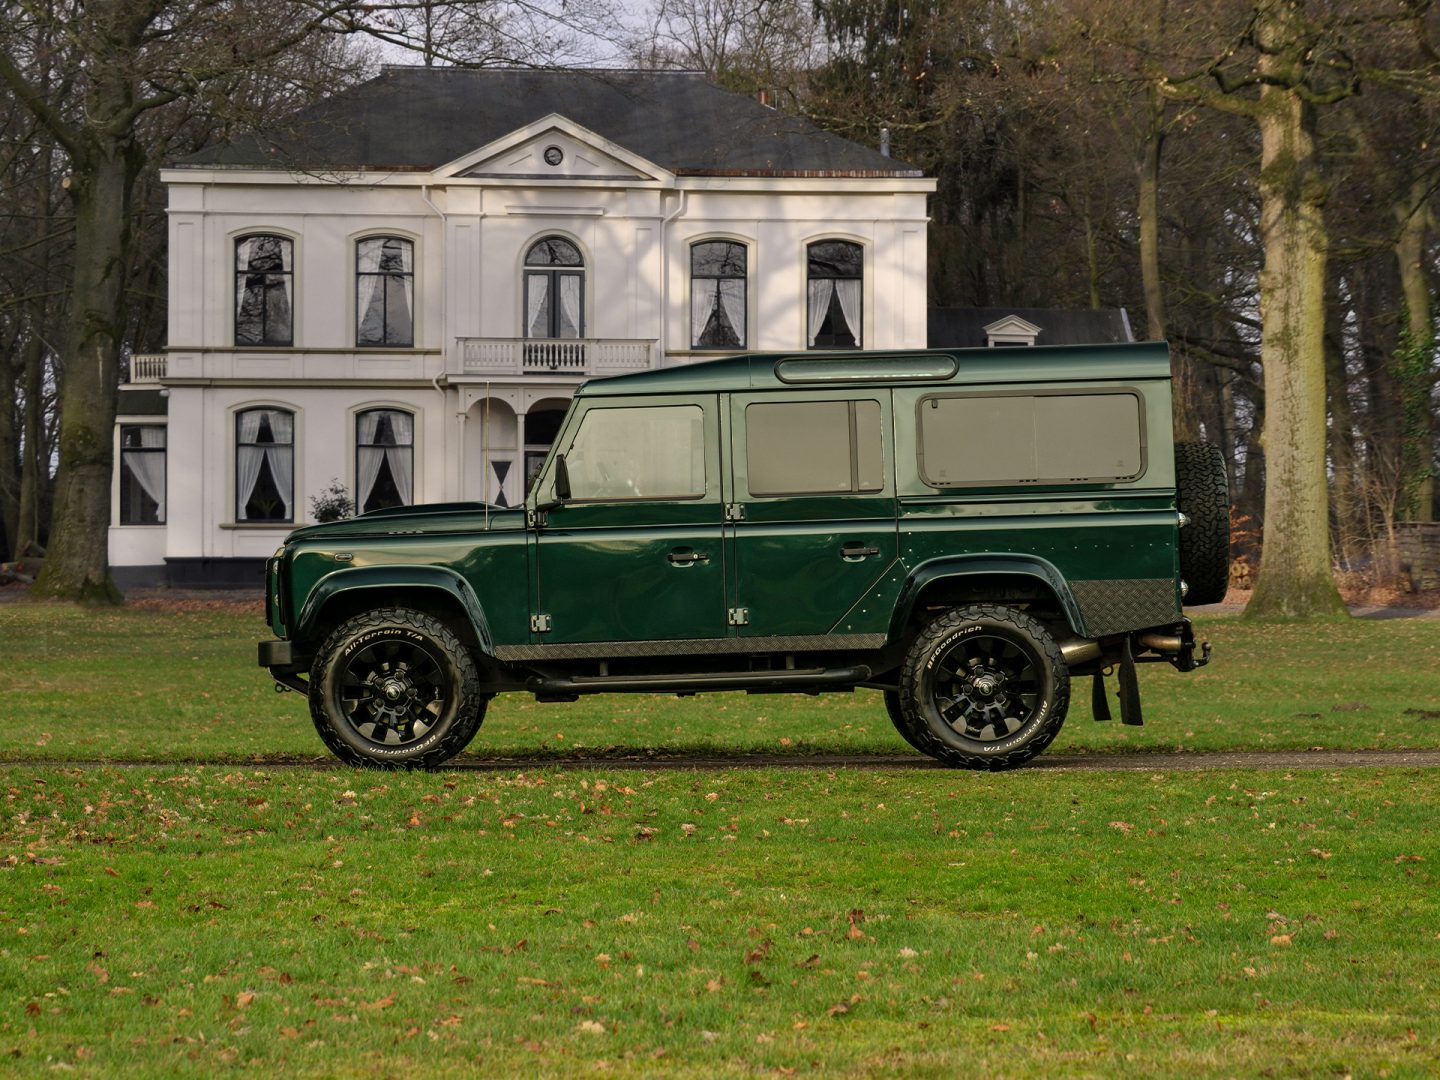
545 356
147 367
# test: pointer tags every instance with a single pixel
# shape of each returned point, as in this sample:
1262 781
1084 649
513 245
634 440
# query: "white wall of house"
471 236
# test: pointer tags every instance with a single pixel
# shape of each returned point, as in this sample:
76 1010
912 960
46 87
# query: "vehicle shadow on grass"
621 758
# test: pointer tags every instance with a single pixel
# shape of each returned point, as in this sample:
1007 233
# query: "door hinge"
734 512
539 624
535 519
739 616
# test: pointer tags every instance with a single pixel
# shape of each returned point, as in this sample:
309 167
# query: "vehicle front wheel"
983 687
394 688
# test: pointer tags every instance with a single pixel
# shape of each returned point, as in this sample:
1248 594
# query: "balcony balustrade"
579 357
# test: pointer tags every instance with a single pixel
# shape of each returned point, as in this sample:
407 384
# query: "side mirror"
562 479
562 487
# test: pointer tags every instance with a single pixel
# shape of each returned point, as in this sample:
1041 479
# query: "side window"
814 447
648 452
264 465
142 474
384 292
717 295
1031 439
264 290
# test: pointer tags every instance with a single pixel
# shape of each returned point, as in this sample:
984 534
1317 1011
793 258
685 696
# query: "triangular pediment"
1012 326
554 148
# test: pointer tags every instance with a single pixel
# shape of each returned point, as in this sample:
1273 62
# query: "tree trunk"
1295 576
32 447
1414 219
9 454
77 562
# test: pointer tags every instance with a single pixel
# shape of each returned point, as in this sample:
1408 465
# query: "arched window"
264 465
835 294
717 295
384 459
384 292
554 289
264 290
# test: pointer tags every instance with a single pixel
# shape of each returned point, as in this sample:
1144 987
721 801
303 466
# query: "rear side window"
638 453
814 447
1042 438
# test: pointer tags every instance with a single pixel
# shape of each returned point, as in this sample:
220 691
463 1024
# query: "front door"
814 484
636 553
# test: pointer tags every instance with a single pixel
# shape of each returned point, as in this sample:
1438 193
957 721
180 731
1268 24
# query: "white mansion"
401 289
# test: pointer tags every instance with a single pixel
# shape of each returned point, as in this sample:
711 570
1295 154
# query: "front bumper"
285 664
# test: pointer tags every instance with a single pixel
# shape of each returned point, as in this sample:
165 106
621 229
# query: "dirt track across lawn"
1183 761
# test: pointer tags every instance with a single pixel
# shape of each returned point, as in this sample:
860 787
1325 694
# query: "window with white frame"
384 292
835 294
384 459
554 289
717 295
264 290
142 474
265 465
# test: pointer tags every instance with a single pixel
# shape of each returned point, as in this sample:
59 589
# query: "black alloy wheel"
984 687
395 688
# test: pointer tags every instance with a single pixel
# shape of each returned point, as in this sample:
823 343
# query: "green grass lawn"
156 921
147 683
190 920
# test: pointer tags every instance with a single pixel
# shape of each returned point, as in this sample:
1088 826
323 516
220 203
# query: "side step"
720 680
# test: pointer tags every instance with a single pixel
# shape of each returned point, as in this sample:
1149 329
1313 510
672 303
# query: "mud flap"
1129 687
1099 703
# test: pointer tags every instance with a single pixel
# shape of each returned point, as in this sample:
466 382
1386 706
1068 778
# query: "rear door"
812 507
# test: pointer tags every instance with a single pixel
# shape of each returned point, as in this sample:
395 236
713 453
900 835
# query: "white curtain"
820 292
287 258
367 457
149 468
702 301
402 458
281 456
732 295
850 291
247 460
539 287
370 301
570 305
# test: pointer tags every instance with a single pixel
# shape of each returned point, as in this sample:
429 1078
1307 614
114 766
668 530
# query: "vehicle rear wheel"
1202 494
897 717
394 688
984 687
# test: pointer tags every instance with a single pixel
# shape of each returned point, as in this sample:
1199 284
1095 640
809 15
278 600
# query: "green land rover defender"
963 530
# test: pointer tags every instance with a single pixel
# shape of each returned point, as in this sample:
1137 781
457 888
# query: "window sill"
259 526
140 525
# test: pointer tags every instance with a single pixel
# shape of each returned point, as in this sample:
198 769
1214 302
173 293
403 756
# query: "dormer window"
1010 332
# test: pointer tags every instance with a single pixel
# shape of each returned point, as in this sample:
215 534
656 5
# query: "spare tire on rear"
1202 493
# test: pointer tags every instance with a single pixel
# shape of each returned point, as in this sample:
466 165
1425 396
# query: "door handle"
688 558
856 552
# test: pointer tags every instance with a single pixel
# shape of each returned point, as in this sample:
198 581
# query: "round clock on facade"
554 155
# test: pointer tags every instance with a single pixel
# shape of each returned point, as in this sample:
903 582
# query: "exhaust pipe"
1079 650
1169 644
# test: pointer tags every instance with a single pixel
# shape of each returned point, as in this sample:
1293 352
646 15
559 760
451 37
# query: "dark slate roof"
422 118
964 328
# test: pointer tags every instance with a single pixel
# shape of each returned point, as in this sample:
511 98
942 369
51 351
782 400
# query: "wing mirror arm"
562 487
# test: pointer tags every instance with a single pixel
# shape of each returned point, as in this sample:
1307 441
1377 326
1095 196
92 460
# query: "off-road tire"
1202 493
1022 657
453 687
901 722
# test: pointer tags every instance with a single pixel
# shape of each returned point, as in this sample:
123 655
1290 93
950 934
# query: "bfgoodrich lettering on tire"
395 689
983 687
